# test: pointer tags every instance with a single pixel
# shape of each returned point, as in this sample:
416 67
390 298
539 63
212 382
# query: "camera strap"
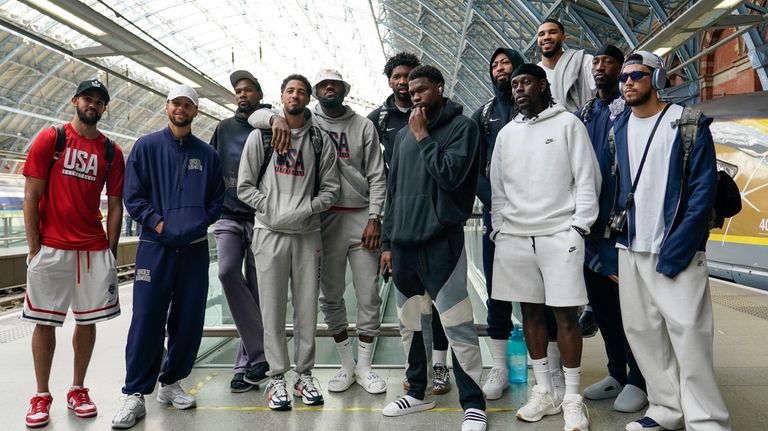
631 195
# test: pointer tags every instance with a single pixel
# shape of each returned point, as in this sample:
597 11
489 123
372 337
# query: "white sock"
364 351
542 375
553 353
499 353
42 394
439 356
572 380
345 353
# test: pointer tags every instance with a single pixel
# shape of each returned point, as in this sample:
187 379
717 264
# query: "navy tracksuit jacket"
178 181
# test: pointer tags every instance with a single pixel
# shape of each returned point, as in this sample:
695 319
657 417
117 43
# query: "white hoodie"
544 175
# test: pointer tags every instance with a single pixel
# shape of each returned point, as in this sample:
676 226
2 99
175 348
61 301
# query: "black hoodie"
502 113
229 139
396 120
432 182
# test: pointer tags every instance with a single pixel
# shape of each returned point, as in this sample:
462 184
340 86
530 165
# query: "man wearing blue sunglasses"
662 265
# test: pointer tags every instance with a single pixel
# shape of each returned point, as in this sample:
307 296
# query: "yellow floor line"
201 383
346 409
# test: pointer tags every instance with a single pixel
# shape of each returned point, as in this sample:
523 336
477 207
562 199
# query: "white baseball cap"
329 75
183 91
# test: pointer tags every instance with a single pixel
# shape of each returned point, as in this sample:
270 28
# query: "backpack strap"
688 124
61 143
316 137
266 140
383 117
485 116
109 153
586 111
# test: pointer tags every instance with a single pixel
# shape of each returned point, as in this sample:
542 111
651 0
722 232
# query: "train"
739 251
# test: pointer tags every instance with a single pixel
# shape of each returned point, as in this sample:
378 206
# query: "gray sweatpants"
233 247
341 233
280 256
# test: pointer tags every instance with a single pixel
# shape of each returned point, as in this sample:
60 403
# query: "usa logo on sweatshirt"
292 163
341 143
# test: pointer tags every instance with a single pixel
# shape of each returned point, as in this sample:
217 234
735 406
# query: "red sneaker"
79 402
37 415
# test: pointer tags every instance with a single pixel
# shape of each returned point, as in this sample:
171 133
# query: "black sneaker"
238 384
588 324
257 373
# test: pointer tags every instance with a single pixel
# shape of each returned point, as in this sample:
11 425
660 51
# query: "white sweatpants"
280 256
342 232
669 327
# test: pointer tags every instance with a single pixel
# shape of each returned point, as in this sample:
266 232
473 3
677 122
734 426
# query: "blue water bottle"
517 356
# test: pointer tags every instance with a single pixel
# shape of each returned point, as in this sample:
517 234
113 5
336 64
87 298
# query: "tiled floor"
741 358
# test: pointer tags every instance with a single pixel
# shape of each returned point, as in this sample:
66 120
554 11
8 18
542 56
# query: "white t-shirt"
652 187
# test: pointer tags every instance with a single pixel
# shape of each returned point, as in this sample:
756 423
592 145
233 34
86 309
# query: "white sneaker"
308 388
341 381
406 405
498 381
474 420
176 395
277 393
540 404
130 412
606 388
575 413
370 381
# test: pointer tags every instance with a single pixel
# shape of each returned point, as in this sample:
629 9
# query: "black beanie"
611 51
530 69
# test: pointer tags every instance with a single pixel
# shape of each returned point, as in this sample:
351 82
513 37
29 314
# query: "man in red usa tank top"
71 261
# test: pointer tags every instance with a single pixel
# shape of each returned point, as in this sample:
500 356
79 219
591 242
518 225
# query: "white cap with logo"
329 75
183 91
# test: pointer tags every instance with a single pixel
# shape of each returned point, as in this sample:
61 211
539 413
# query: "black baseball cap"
93 84
243 74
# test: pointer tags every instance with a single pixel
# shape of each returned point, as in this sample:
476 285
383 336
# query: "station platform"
741 359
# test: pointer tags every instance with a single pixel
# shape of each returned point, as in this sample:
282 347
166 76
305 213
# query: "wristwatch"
375 217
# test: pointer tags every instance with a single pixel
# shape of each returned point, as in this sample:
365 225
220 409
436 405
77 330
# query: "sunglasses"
636 76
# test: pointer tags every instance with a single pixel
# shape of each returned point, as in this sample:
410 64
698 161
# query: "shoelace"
310 384
39 404
131 401
495 375
81 396
277 388
441 373
572 409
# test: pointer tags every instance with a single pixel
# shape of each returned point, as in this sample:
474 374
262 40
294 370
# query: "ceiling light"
662 51
176 76
69 18
727 4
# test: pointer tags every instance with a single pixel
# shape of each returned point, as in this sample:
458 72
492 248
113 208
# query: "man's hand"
614 278
281 135
417 122
385 262
371 239
32 253
159 227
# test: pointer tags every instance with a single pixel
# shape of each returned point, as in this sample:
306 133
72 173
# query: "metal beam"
462 44
620 23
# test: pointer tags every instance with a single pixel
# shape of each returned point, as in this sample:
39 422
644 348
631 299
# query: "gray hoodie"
283 201
361 165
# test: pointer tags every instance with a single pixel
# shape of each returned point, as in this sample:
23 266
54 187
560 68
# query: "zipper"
180 157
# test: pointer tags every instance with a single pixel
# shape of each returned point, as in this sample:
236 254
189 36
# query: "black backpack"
61 144
727 197
315 135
